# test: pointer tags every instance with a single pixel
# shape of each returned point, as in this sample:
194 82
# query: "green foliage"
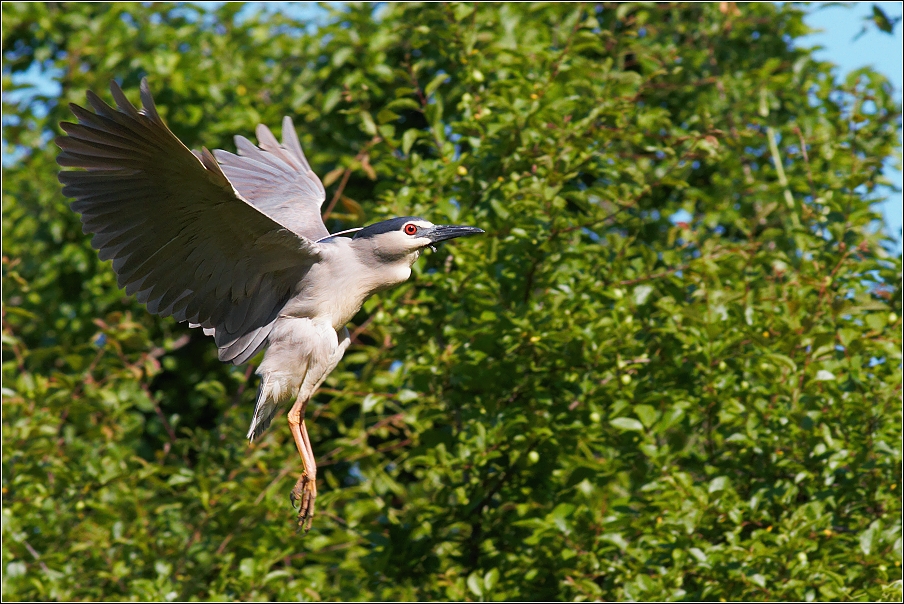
880 20
671 369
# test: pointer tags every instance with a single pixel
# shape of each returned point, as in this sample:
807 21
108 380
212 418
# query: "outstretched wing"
277 179
181 238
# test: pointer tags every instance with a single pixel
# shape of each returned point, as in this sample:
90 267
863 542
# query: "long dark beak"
443 232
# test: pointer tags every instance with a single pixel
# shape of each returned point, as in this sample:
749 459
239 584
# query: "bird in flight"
235 245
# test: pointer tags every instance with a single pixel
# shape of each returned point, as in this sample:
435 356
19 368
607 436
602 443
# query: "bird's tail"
265 409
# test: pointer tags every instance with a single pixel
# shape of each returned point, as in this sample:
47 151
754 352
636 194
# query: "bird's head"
407 236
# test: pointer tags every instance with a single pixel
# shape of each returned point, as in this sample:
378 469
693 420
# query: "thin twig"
166 425
36 555
329 209
803 150
360 329
346 175
224 543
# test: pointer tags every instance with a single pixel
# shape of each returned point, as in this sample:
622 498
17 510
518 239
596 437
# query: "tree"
671 370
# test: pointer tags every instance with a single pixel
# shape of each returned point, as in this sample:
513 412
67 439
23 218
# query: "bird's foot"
304 493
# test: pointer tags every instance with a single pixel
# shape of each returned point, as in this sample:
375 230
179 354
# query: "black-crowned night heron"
235 245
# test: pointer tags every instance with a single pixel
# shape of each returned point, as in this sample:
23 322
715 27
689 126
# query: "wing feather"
277 179
181 237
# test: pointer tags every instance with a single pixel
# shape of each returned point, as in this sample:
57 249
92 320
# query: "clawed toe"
304 494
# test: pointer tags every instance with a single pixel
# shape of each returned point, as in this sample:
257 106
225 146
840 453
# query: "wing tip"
288 128
147 101
207 159
122 102
264 135
291 142
100 107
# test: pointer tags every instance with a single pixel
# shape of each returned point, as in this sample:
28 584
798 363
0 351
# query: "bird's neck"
379 269
352 276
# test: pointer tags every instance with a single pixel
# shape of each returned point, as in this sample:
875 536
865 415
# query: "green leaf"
435 83
627 423
719 483
498 208
868 537
490 579
647 414
641 293
699 554
403 104
475 584
370 402
408 140
386 116
369 126
824 376
615 538
882 21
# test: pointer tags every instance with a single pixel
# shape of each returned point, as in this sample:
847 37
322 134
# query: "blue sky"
883 52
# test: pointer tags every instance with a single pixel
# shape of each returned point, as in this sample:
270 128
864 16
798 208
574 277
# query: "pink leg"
305 491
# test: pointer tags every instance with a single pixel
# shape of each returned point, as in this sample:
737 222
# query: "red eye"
410 229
